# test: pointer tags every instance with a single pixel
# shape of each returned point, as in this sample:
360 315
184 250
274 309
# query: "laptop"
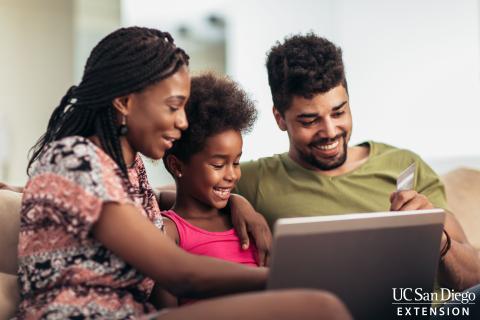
360 257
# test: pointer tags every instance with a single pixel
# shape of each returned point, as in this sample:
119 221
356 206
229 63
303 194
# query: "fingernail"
244 246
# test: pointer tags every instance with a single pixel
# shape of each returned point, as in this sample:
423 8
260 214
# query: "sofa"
463 193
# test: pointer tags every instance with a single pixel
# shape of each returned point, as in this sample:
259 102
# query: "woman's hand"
248 221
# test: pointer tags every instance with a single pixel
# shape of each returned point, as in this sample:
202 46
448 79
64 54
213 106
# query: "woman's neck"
128 153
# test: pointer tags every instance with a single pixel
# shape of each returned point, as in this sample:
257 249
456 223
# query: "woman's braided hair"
126 61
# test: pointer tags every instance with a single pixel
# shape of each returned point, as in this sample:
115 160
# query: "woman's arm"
143 246
161 298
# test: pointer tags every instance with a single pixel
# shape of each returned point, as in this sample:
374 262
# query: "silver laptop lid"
360 257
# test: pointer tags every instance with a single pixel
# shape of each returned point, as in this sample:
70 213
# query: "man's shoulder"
386 155
387 150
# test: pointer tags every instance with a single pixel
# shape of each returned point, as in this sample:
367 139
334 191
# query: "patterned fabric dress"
64 273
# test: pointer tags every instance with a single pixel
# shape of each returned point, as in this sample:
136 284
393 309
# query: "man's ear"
174 166
280 119
122 104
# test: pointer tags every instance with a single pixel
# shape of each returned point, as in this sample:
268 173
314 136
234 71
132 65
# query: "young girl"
205 166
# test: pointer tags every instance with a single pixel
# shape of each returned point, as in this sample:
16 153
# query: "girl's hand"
248 221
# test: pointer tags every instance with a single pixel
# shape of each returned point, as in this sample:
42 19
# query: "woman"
90 241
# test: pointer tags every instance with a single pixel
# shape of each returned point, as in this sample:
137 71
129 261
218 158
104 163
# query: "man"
320 174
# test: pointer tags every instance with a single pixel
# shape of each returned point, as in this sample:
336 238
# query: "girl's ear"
174 166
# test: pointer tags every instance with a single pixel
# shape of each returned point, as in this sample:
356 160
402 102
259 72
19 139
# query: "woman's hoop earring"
122 129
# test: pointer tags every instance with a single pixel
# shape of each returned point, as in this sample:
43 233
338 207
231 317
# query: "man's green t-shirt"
278 187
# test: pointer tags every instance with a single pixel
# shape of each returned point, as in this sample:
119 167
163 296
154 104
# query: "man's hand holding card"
405 198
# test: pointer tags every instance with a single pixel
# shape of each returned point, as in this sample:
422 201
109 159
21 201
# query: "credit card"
406 179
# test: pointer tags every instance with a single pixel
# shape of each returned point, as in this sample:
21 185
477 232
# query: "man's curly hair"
304 65
216 104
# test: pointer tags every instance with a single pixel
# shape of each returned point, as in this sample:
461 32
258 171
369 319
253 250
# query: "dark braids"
126 61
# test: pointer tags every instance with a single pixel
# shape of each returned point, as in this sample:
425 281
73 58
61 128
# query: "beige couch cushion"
463 194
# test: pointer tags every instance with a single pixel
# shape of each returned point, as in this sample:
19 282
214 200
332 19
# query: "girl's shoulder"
171 221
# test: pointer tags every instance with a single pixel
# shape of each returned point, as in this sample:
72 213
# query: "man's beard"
329 164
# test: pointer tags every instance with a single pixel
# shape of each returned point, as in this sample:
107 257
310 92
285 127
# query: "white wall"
44 48
35 58
413 66
414 70
92 20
